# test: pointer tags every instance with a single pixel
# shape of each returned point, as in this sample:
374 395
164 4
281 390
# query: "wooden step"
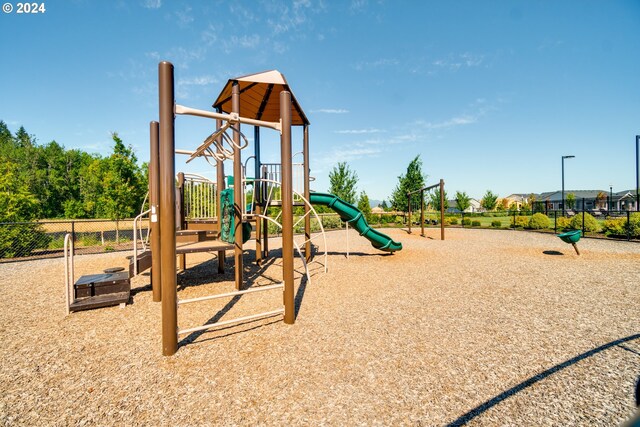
99 301
144 262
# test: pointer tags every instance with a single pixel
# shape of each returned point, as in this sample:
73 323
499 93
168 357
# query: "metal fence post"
73 236
555 221
583 212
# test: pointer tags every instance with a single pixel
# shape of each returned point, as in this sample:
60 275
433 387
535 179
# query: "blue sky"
491 94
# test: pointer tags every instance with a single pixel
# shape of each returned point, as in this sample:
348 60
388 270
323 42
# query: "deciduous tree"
343 182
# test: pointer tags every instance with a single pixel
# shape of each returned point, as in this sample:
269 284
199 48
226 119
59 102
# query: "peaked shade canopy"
260 97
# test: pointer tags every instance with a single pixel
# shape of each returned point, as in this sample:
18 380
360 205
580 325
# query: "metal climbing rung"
229 322
232 294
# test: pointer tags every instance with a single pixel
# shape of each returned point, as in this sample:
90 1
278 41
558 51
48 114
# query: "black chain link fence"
45 239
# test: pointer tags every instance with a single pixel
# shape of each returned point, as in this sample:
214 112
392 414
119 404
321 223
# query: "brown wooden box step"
102 284
144 262
100 301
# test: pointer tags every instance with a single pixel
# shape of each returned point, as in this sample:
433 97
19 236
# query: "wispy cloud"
357 5
377 63
210 34
152 4
330 111
452 122
184 85
184 17
198 81
456 62
331 157
358 131
246 41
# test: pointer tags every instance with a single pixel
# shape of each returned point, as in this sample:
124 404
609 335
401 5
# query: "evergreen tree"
434 200
363 205
412 180
343 182
462 201
489 200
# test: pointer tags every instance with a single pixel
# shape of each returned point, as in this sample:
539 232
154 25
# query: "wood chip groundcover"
485 328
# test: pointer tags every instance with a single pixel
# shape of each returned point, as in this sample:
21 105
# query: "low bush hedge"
538 221
476 223
496 224
590 223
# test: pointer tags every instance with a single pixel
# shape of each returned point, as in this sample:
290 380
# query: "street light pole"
637 174
610 197
564 157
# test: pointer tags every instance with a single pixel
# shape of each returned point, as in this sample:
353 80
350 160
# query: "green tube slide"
356 219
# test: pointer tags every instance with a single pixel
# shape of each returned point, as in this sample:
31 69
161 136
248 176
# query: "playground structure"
189 213
421 191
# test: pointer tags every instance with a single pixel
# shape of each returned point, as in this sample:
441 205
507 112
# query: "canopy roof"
260 97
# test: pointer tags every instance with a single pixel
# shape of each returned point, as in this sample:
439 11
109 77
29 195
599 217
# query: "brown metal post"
238 194
409 203
154 186
182 258
167 210
220 187
422 211
442 209
307 192
287 207
265 229
257 191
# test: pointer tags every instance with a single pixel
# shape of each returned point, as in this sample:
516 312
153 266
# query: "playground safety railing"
69 275
200 195
143 239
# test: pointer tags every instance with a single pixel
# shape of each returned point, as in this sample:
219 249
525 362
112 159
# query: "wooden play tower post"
168 210
287 206
238 194
154 189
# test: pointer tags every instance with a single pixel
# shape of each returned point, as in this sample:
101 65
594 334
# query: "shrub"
453 221
475 223
18 240
496 224
563 223
615 227
466 221
89 240
634 225
398 220
330 222
590 223
538 221
520 222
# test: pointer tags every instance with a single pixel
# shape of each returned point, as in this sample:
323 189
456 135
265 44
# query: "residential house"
588 200
474 206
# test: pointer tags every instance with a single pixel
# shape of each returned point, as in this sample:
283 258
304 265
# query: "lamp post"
637 174
610 197
564 157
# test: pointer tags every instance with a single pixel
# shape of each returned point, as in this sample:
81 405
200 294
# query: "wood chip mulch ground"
485 328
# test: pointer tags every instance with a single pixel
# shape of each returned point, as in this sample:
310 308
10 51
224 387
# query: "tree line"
39 181
343 183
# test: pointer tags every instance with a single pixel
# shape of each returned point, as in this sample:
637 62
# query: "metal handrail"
68 269
135 241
